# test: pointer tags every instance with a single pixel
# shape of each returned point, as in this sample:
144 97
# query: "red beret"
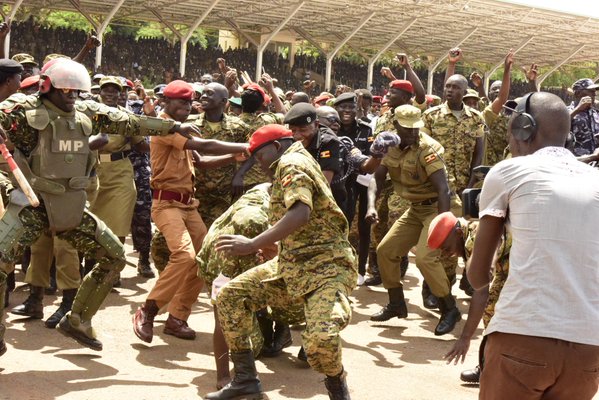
130 84
266 134
178 90
31 81
440 228
402 84
257 88
322 97
377 99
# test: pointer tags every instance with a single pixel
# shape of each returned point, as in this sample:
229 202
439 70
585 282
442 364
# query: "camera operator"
542 341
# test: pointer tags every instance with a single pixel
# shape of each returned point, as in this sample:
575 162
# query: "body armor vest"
58 168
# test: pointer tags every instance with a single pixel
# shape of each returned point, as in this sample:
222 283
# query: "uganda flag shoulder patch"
286 180
325 154
430 158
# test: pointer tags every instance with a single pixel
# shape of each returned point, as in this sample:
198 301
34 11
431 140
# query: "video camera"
471 197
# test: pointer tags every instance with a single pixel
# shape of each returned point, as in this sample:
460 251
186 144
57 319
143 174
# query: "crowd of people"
124 55
281 199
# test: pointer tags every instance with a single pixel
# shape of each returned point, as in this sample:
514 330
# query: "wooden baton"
18 174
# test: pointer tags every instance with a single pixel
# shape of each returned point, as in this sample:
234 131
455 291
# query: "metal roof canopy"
486 29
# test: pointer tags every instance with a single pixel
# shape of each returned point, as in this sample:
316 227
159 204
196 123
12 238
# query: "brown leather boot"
178 328
143 321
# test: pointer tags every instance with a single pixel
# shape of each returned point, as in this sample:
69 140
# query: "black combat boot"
68 295
396 308
143 265
245 384
429 300
32 307
375 274
266 328
337 387
465 285
450 315
281 339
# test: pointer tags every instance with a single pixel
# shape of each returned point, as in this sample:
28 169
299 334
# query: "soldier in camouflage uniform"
461 132
585 118
248 216
51 134
252 101
316 266
456 236
212 187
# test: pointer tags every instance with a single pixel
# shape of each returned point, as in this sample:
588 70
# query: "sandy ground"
398 359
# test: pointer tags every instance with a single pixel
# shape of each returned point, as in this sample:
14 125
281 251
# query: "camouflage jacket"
458 137
248 216
216 182
496 141
319 250
254 121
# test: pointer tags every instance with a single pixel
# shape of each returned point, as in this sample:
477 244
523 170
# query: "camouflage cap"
471 94
111 80
24 58
54 56
408 116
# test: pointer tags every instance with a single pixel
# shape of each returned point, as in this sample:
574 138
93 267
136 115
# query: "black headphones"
523 126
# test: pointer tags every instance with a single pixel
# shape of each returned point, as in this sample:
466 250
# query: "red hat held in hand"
440 228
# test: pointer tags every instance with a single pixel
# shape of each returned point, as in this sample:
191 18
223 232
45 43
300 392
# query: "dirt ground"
398 359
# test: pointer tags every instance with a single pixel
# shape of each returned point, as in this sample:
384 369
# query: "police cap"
301 114
8 66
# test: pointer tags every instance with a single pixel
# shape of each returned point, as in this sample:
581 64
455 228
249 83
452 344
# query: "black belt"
427 202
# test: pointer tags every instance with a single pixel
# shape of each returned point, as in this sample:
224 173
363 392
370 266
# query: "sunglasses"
332 120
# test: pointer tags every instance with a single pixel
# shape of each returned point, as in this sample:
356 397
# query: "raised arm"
419 92
504 92
453 57
91 43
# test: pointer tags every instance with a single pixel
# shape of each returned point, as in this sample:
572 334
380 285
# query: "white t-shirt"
551 202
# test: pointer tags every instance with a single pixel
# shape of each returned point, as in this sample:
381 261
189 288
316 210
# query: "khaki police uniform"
409 170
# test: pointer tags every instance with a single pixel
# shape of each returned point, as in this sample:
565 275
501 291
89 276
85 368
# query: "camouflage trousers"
327 311
141 223
210 210
90 238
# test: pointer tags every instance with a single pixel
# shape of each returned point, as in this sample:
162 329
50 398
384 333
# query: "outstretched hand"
458 351
235 245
